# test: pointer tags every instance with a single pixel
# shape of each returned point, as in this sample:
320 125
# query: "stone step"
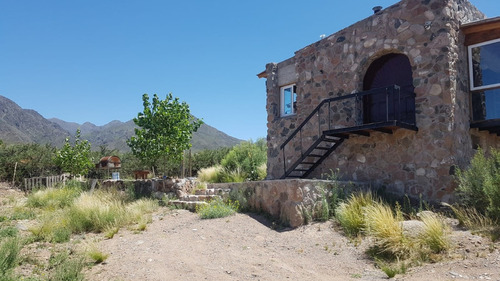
188 205
192 198
213 191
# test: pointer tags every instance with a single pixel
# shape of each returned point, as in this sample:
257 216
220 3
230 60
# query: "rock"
412 228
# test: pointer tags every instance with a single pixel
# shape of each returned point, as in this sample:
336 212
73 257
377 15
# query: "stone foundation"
293 202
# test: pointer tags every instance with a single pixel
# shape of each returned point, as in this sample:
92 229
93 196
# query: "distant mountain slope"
19 125
114 135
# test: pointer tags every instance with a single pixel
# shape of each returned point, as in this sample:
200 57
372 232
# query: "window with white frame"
288 100
484 73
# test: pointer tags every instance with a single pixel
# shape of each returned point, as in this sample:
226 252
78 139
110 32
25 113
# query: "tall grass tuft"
9 256
217 208
53 227
386 228
472 219
95 212
137 209
435 234
210 174
70 269
53 198
350 214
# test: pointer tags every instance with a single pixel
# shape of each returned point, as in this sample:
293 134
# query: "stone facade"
406 162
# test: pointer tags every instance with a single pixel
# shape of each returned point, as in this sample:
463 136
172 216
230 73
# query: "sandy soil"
180 246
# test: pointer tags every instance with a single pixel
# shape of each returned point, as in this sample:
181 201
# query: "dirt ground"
178 245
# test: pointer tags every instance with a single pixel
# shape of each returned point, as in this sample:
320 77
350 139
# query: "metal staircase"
328 140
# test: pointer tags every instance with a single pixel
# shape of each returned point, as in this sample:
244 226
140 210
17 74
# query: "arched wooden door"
391 69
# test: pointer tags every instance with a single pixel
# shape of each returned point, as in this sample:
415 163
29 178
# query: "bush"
32 160
479 185
217 208
246 158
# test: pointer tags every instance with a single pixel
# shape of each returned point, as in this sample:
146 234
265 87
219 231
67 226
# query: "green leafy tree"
165 130
75 159
26 160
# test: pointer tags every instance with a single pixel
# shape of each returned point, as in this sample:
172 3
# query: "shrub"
217 208
246 158
479 185
350 214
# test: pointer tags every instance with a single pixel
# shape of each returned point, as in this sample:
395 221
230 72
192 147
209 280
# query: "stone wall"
156 187
292 202
409 162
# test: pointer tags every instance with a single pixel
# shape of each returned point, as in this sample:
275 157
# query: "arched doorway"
391 69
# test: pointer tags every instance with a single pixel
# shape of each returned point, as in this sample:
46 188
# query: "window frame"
471 67
293 99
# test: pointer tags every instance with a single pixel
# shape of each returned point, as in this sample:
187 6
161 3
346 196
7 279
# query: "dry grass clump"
475 221
435 234
393 248
350 214
100 211
53 198
210 174
386 228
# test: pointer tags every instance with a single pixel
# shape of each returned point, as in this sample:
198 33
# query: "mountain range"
18 125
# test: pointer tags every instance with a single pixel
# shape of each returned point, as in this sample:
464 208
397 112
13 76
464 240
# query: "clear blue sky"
92 60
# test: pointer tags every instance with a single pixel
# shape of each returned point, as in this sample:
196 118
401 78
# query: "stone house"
399 99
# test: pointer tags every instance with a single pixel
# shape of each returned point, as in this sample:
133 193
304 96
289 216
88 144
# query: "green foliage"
8 231
241 196
32 160
479 185
67 268
9 256
165 130
390 269
217 208
75 159
96 255
208 158
246 158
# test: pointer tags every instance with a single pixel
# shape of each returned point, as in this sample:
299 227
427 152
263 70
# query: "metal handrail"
389 90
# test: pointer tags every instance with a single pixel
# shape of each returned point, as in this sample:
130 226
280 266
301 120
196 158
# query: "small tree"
165 130
75 159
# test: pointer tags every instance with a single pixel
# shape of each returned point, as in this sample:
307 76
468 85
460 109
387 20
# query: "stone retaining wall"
293 202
